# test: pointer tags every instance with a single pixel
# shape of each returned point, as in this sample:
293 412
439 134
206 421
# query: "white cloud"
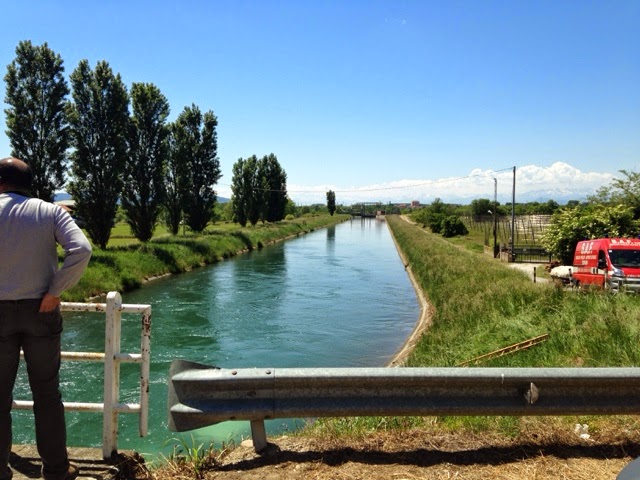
558 181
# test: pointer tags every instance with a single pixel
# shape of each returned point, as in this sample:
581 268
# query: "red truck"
609 263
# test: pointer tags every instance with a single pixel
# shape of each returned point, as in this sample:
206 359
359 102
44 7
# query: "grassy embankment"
126 264
480 305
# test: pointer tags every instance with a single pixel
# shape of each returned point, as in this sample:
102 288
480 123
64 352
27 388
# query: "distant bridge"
361 210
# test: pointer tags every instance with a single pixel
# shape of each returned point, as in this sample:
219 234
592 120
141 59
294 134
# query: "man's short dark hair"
15 172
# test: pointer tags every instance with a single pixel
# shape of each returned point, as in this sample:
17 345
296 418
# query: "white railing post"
145 351
111 374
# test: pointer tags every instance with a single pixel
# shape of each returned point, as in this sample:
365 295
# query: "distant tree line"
483 206
613 211
110 145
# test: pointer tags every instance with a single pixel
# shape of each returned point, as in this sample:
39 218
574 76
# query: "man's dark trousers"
38 334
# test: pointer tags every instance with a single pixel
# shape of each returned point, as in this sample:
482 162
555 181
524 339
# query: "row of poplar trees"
259 189
111 144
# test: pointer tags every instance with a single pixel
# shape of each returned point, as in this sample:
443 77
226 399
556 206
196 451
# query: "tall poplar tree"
261 192
99 119
253 190
274 182
143 191
331 202
36 120
239 193
172 202
196 154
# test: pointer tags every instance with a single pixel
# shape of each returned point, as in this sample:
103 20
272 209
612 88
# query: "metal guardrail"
200 395
112 358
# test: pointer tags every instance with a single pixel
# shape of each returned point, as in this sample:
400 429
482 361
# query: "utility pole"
495 218
513 216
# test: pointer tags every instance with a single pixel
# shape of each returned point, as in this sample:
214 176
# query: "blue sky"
369 98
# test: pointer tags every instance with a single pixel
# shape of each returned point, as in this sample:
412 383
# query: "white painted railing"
112 358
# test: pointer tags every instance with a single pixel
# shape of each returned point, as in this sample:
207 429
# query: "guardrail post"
111 375
258 435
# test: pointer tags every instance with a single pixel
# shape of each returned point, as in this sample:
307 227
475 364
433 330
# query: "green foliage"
291 208
549 208
331 202
37 124
198 167
622 191
433 215
197 457
259 189
274 180
253 190
481 207
172 211
224 211
143 191
240 192
570 225
532 208
99 120
453 226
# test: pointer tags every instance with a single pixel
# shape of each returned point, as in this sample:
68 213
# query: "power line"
397 187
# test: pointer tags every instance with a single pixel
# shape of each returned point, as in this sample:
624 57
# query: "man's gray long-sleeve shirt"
29 231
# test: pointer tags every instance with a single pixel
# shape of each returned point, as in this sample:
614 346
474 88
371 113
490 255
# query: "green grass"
481 305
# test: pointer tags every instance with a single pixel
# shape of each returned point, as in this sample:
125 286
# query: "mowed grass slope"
481 305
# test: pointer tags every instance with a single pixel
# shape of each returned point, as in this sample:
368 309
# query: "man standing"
31 282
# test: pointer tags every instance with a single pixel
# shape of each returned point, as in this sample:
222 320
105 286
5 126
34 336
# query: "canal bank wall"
424 320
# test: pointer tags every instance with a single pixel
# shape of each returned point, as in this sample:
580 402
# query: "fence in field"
528 231
528 228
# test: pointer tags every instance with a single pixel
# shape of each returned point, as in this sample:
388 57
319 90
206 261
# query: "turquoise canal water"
337 297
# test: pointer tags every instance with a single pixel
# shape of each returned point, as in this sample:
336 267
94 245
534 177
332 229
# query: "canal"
336 297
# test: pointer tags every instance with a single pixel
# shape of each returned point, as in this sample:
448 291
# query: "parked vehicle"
609 263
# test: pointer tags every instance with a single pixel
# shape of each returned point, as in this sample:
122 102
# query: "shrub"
452 226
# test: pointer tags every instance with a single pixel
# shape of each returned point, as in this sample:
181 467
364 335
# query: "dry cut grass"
550 449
